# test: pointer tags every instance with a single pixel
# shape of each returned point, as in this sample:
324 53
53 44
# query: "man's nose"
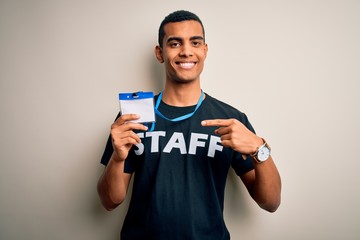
186 50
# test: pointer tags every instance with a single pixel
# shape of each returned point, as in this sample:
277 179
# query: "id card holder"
141 103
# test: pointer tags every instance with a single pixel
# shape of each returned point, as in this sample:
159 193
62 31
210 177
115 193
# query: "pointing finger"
216 122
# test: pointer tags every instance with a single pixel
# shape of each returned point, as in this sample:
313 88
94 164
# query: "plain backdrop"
292 66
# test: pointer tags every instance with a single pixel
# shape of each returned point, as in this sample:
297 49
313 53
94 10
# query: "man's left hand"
234 134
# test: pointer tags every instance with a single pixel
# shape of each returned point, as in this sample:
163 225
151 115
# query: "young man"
181 162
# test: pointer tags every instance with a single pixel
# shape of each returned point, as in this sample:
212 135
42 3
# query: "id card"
141 103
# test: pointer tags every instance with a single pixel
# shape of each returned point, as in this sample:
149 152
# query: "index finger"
216 122
125 118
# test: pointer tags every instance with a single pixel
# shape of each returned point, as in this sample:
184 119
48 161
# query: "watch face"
263 153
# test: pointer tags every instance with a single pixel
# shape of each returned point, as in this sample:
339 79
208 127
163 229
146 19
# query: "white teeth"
187 65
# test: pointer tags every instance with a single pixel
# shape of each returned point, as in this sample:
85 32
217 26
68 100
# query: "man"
181 162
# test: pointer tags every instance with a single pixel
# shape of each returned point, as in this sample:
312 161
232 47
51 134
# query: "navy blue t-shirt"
180 174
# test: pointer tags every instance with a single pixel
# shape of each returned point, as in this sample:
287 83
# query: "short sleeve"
239 164
108 149
107 152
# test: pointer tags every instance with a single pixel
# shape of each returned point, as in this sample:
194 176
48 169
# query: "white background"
292 66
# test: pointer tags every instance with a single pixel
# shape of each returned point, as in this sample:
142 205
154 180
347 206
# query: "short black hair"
178 16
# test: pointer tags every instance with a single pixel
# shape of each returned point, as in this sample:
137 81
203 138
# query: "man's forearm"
267 187
113 184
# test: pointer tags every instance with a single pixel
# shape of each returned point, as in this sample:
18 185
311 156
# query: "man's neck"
181 95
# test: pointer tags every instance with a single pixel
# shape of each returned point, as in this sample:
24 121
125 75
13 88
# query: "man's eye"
196 43
175 44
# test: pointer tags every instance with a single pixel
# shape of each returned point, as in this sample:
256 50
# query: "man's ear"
159 54
206 49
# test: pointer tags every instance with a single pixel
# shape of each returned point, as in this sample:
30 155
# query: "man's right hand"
122 135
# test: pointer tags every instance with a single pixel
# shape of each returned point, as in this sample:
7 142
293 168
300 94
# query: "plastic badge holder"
141 103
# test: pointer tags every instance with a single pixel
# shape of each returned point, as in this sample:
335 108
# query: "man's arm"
114 182
263 183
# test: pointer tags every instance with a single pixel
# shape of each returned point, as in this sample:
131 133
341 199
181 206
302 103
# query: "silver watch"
262 153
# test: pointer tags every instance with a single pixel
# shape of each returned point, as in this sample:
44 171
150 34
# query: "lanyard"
186 116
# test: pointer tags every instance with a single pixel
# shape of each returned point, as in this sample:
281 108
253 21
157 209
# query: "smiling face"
183 52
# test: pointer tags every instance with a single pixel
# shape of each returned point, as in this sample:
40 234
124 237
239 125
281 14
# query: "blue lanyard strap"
186 116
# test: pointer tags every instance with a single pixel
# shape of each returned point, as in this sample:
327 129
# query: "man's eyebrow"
179 39
197 38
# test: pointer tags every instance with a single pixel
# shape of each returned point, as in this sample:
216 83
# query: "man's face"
183 52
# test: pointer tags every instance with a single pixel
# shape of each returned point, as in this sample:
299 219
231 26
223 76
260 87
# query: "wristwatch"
262 153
